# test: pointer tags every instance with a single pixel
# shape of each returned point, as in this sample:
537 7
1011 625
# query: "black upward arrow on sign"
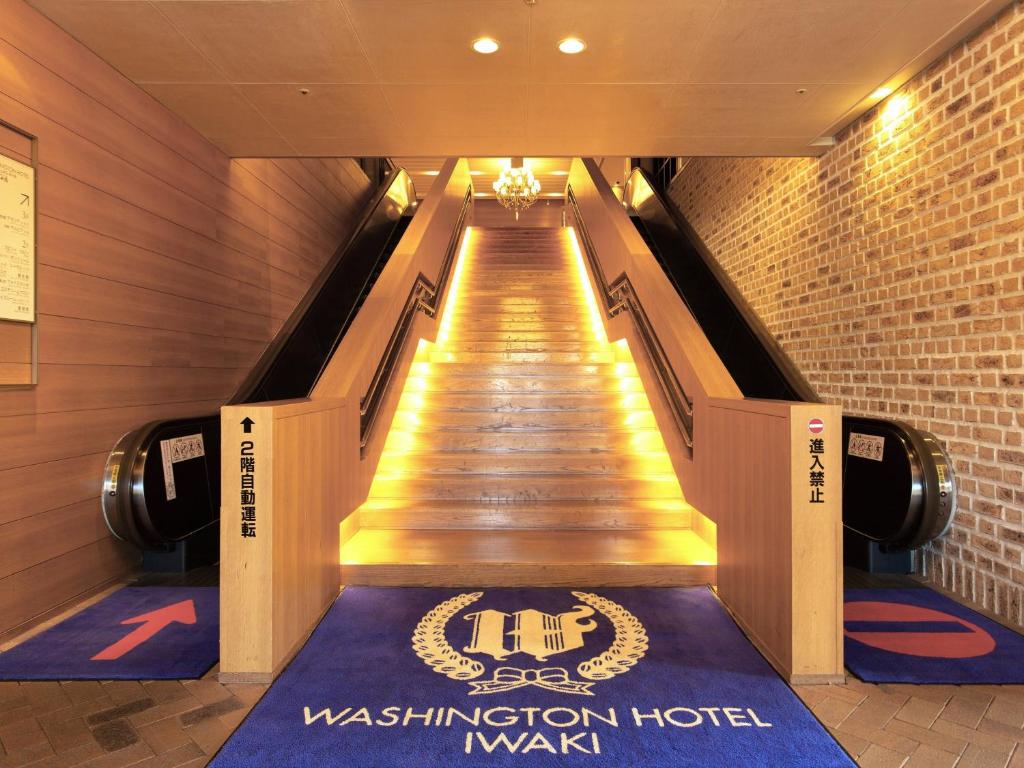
247 425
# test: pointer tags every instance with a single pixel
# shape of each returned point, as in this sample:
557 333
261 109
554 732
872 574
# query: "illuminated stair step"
524 488
520 403
523 345
563 463
467 335
550 441
606 356
608 371
573 514
529 384
527 558
485 421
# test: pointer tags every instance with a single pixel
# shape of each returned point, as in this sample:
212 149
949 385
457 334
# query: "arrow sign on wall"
247 425
152 622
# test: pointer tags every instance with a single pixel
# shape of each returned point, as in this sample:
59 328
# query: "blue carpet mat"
136 633
605 678
920 636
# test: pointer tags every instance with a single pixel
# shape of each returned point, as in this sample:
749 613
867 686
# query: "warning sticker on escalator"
866 446
178 449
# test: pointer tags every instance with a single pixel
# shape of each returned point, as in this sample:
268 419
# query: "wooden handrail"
424 296
620 296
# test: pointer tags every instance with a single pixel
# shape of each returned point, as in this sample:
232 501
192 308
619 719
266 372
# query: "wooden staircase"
524 450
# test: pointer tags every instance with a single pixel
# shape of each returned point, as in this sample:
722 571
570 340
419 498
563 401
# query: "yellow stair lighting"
524 450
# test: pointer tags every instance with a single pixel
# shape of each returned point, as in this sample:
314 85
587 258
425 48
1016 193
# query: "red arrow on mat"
152 622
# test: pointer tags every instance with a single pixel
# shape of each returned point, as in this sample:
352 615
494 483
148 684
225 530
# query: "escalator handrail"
424 296
399 192
640 183
619 296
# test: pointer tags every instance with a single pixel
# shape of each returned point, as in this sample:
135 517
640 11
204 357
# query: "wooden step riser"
521 403
528 575
466 385
522 357
601 517
605 371
474 334
565 463
523 345
516 489
508 442
520 325
485 421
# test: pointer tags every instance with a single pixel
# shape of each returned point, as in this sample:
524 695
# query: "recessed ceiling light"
881 93
559 173
476 173
431 173
485 45
571 45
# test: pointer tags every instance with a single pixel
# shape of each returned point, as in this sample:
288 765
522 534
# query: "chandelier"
516 188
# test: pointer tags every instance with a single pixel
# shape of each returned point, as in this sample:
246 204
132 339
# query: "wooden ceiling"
398 77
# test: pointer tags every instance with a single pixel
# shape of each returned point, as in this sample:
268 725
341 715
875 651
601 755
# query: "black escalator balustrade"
161 487
899 490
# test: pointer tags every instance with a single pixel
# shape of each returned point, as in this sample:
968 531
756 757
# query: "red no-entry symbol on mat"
938 635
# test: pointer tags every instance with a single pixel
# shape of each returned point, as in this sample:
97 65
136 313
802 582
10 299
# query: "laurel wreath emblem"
430 644
629 646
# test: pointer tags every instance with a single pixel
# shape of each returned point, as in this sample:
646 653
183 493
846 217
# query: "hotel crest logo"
533 633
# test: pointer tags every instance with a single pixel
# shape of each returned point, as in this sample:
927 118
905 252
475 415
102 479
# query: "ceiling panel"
284 41
426 41
134 37
340 111
646 42
399 78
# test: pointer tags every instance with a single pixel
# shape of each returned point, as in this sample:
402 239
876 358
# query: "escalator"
899 490
161 486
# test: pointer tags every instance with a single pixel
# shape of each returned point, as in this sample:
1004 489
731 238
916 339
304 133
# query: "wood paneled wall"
164 269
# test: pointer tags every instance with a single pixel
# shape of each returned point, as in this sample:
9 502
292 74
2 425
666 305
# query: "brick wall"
891 271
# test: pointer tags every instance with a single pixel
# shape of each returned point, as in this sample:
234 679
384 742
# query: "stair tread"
577 547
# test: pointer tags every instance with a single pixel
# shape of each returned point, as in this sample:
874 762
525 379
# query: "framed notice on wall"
17 241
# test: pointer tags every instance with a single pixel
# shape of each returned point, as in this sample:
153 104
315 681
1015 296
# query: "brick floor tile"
1008 710
124 691
993 742
209 734
922 712
115 735
994 727
175 757
932 738
937 693
930 757
979 757
160 711
880 757
120 711
207 691
26 756
967 708
210 710
66 734
123 757
855 745
898 743
832 711
22 735
869 717
162 691
250 693
164 735
83 690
